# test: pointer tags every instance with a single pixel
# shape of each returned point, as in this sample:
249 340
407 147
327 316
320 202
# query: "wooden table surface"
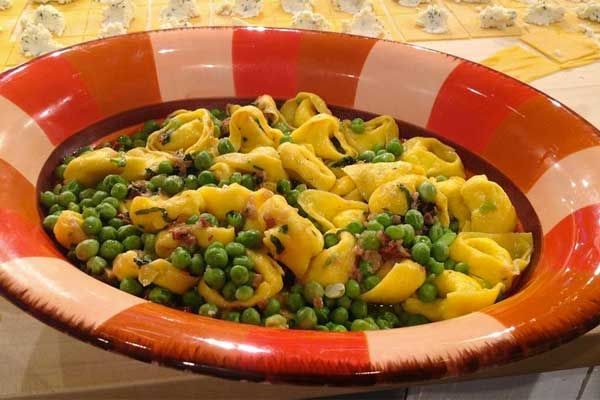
38 362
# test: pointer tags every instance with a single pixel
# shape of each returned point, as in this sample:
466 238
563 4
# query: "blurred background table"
39 362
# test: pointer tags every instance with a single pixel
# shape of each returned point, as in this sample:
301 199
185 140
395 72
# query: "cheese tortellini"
280 214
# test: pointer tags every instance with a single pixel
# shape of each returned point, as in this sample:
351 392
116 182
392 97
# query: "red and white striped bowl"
548 152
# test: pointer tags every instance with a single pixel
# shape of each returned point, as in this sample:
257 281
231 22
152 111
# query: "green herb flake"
487 206
279 248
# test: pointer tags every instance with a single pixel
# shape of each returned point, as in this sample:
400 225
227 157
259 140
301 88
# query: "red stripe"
20 237
472 102
265 62
564 289
331 67
53 93
157 332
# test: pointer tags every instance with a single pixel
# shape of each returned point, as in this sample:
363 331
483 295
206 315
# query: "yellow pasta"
322 132
262 160
491 209
433 156
325 208
90 168
398 284
303 107
68 229
302 164
155 212
335 264
187 131
249 129
378 131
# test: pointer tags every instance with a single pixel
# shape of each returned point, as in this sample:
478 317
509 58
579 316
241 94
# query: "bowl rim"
235 373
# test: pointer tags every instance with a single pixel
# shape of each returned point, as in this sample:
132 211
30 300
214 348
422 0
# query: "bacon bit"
262 304
250 210
318 302
394 250
383 238
374 258
270 222
125 217
225 127
428 218
359 251
415 200
183 234
257 280
396 219
261 176
187 309
137 188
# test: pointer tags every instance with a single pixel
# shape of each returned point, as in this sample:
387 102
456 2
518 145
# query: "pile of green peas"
389 152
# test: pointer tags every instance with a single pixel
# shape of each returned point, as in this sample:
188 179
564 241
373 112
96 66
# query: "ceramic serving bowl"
548 153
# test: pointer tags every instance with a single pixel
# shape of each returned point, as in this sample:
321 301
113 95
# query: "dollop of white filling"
497 17
47 16
247 8
173 22
434 19
472 1
365 23
5 4
310 20
352 6
181 10
294 6
112 29
36 40
589 11
412 3
121 11
544 14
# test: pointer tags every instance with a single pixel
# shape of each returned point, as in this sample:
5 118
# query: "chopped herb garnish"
487 206
283 229
279 248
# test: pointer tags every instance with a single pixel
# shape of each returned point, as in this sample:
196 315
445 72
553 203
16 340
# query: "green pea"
427 293
292 197
206 178
233 316
441 178
352 289
427 192
173 185
196 266
235 249
192 299
165 167
330 240
219 114
110 249
395 147
149 240
435 267
361 325
128 230
409 235
87 203
449 264
248 182
284 186
181 258
435 232
235 219
245 261
306 318
86 249
344 302
440 251
87 194
107 233
66 197
216 257
423 239
359 308
59 172
99 196
368 240
50 221
416 319
106 211
385 157
224 146
96 265
390 317
228 291
415 219
357 125
192 219
119 191
223 183
447 238
461 267
383 324
131 286
384 219
57 189
366 156
420 252
236 177
297 288
158 180
239 274
370 282
250 238
211 219
321 328
214 277
190 182
74 187
395 232
57 208
294 302
110 180
374 226
454 226
322 314
286 139
92 225
355 227
312 291
124 141
338 328
203 160
244 292
208 310
250 316
365 267
74 207
380 152
339 315
48 199
273 307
